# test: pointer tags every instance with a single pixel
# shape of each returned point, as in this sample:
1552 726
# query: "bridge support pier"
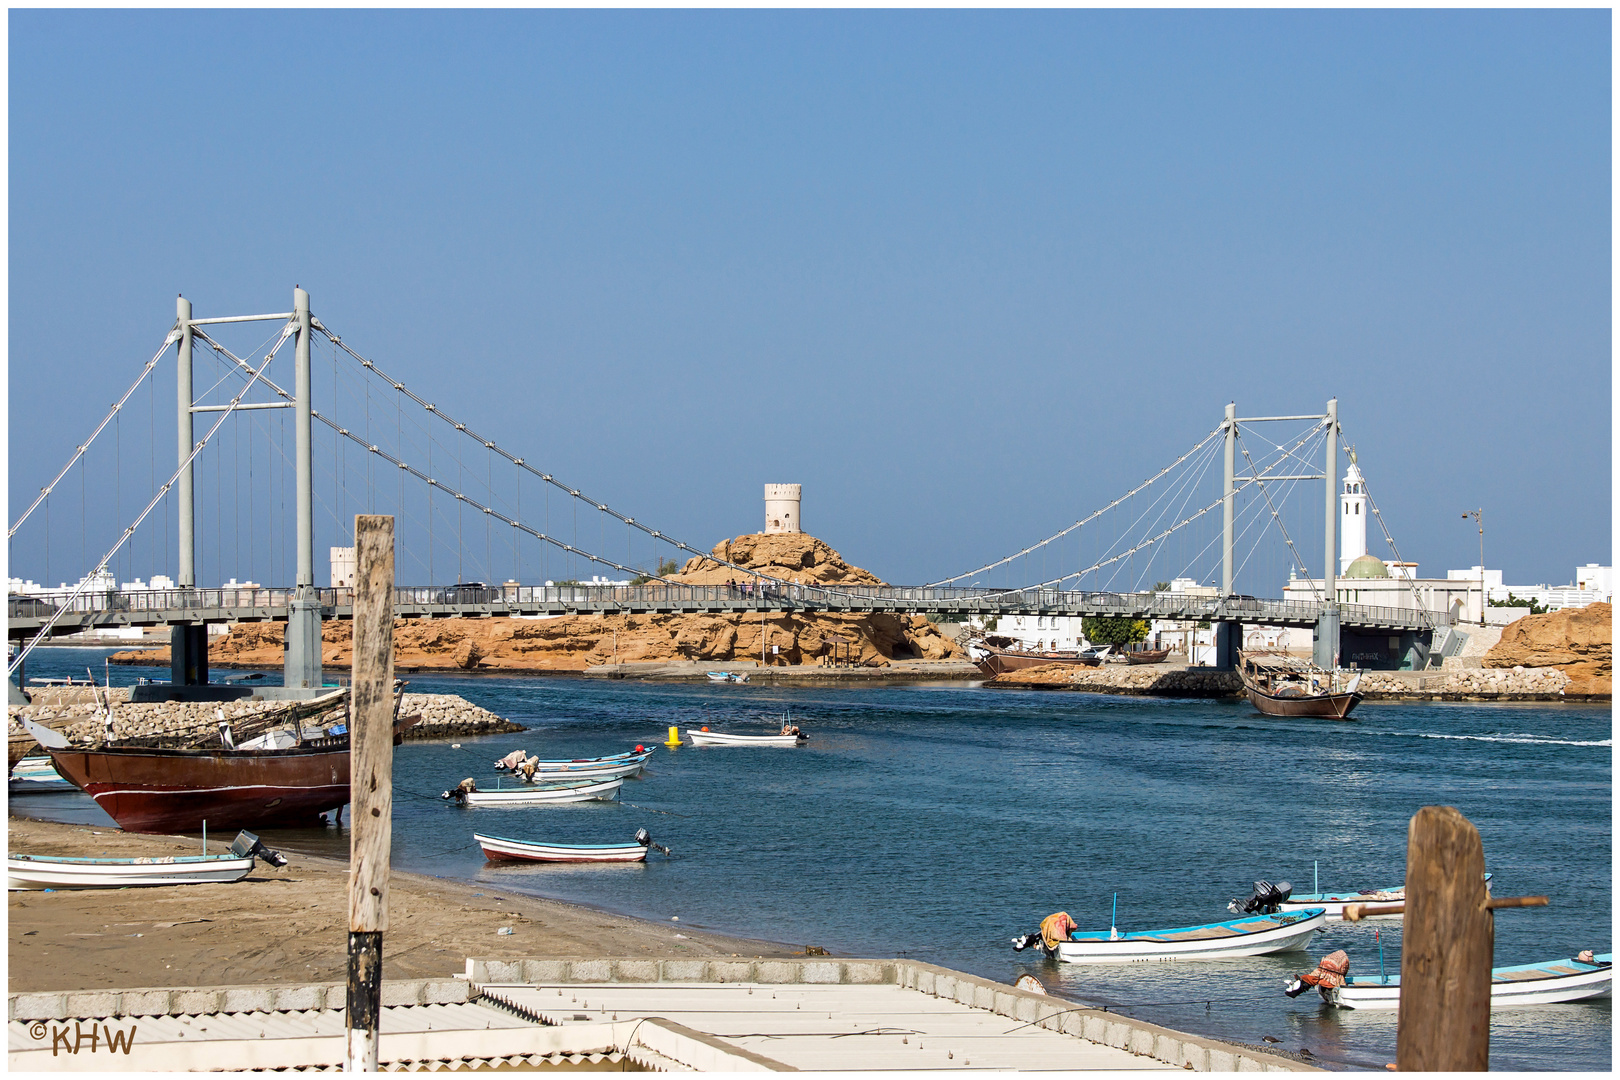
1228 639
1325 649
188 654
302 662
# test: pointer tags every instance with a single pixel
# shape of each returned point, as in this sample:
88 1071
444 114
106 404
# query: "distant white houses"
1593 584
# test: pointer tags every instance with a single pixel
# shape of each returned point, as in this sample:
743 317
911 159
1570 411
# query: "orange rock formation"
576 642
1577 641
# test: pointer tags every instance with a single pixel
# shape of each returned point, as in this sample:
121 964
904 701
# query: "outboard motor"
1267 899
247 844
645 840
460 792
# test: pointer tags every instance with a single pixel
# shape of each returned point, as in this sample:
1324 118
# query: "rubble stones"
443 716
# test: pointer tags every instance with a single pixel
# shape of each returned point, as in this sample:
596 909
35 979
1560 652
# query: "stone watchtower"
782 508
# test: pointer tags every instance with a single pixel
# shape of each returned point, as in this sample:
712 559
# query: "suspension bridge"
1170 508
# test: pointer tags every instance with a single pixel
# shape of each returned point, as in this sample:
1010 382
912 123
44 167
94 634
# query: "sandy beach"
290 924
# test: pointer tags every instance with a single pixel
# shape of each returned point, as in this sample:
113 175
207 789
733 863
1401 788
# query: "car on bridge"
466 592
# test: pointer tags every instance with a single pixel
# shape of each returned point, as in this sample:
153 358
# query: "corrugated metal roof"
830 1027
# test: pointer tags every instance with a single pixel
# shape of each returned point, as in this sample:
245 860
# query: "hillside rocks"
1157 679
443 715
576 642
796 557
1576 641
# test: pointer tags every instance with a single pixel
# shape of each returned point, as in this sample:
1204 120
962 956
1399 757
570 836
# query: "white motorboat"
705 737
1551 983
1257 935
72 872
1334 902
537 794
500 848
545 773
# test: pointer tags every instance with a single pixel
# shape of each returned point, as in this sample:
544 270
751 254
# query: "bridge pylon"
302 661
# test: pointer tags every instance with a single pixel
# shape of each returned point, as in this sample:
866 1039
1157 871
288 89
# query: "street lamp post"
1479 516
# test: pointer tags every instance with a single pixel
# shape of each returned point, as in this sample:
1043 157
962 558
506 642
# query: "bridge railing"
742 595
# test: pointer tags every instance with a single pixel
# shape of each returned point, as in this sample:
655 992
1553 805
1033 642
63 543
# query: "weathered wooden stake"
371 773
1445 1012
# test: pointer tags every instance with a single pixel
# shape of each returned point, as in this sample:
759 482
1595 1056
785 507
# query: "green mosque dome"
1366 566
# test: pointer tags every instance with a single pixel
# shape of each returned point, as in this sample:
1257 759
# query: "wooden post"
371 771
1445 1011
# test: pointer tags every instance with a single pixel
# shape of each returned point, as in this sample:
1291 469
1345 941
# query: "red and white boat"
502 849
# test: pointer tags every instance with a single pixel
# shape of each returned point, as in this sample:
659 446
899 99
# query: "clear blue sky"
964 275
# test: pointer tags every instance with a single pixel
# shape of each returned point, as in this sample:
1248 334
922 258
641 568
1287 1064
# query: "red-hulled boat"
159 790
169 789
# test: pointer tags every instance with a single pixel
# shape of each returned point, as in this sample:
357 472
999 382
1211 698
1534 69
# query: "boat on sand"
70 872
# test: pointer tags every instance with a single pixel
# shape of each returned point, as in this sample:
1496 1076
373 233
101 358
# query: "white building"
1593 584
1366 580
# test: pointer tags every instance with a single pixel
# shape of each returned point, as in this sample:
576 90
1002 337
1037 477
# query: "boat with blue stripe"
1552 982
1254 935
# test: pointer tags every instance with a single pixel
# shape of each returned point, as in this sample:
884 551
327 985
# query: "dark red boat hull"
148 790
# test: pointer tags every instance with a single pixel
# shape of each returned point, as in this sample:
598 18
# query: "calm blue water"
938 821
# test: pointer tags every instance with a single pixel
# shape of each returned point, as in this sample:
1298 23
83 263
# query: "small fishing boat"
1551 983
789 735
1147 656
68 872
518 757
727 676
36 776
467 793
1280 685
503 849
1257 935
1334 902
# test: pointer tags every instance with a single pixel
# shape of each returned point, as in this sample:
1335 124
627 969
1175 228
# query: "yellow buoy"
674 736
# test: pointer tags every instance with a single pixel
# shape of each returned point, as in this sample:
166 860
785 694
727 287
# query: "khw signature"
79 1038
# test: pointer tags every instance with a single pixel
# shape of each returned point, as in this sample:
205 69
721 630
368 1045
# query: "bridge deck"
25 616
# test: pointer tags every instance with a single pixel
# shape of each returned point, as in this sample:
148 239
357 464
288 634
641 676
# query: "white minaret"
1352 516
782 508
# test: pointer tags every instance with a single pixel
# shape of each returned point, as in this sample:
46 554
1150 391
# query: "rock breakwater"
1476 684
443 716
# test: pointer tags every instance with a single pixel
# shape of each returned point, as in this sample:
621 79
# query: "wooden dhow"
299 770
1280 685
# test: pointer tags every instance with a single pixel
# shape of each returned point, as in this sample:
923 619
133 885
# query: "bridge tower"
188 642
302 662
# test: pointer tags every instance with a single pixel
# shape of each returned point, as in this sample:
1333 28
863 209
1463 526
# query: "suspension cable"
44 492
1093 516
84 583
1316 592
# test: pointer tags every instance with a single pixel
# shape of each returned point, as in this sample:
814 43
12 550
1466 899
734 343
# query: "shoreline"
291 924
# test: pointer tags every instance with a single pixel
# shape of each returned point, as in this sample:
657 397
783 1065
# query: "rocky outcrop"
1146 679
795 557
577 642
1576 641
